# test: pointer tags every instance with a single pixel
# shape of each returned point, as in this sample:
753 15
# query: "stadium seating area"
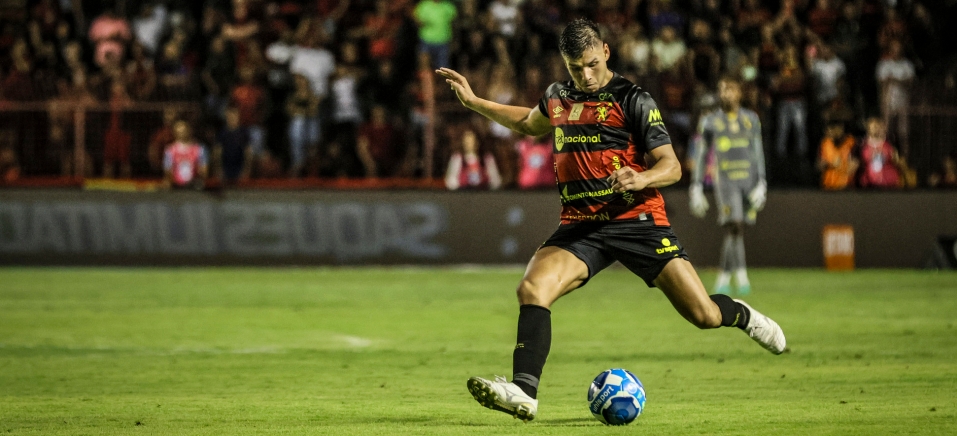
297 91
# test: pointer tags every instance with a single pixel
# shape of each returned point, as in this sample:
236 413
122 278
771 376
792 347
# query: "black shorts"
642 248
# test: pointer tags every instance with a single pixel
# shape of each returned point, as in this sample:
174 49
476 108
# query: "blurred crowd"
343 88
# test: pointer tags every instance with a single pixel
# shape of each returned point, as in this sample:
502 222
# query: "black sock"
531 348
732 312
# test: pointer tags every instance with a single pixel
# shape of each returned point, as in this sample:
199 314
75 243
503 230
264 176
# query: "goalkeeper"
740 187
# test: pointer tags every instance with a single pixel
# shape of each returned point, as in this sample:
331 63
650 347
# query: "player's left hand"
759 195
627 179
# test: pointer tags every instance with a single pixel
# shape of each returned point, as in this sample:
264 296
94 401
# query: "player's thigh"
680 283
551 273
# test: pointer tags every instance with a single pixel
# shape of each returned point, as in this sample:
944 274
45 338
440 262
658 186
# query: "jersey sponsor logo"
730 165
591 194
654 118
604 96
604 216
666 247
563 93
576 112
557 111
561 139
725 143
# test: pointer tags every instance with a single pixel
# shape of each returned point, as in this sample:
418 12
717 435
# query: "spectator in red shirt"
185 161
879 158
537 165
377 144
381 27
250 99
468 169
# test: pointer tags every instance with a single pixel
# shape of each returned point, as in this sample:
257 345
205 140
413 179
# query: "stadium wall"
68 227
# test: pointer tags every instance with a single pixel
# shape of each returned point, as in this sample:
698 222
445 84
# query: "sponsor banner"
343 231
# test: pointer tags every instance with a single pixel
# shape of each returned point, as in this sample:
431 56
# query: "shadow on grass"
568 422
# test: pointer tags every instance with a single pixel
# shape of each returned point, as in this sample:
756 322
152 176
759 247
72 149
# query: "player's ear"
606 50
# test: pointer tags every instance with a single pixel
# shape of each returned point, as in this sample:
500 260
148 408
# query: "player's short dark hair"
578 36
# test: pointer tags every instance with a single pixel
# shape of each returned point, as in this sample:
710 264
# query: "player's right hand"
458 83
697 201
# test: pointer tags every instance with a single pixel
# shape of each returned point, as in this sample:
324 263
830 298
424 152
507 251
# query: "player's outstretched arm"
666 171
527 121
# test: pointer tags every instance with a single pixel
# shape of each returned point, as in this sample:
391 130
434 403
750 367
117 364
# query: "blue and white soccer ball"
616 397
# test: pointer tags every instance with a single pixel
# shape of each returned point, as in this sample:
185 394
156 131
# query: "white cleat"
503 396
764 331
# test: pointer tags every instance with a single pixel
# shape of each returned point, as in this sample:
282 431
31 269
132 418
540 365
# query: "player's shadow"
569 422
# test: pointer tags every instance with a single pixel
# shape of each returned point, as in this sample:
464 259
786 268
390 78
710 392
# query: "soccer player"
604 126
740 188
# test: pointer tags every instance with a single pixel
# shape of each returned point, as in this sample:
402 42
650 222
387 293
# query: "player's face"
729 93
590 72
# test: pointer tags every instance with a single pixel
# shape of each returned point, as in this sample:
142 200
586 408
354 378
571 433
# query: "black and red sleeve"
643 119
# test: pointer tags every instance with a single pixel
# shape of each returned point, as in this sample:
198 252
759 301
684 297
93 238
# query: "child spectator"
185 160
468 170
879 158
837 162
537 163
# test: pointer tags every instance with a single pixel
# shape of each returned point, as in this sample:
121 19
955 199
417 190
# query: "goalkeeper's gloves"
759 196
697 201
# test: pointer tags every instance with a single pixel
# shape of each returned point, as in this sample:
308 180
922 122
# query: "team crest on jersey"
601 113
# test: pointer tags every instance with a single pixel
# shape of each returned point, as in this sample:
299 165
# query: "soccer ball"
616 397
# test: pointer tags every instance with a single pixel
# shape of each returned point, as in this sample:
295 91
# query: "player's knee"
532 291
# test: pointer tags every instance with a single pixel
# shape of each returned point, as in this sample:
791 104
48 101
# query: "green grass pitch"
387 351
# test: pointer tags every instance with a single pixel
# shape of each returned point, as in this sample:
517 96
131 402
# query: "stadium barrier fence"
265 227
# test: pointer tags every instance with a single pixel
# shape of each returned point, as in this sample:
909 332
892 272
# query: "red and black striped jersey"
595 134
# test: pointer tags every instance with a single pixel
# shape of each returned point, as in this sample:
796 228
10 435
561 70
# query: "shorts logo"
654 118
667 247
561 139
